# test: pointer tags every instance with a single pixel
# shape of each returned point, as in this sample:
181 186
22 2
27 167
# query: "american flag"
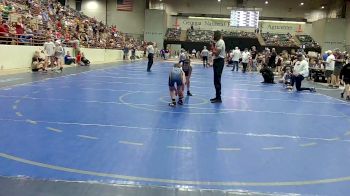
124 5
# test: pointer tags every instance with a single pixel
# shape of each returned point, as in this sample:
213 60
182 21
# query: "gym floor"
113 125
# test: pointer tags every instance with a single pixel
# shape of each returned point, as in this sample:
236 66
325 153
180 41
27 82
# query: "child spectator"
68 59
286 79
59 53
84 60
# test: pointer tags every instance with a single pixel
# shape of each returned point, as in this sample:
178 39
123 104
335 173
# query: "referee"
218 65
150 51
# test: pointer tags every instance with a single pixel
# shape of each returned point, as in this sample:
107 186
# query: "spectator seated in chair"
267 74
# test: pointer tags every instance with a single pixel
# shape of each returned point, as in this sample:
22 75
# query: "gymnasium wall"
348 26
276 8
224 24
127 22
155 26
10 61
330 33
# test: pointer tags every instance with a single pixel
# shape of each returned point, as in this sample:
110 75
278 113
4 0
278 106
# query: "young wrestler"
187 68
176 76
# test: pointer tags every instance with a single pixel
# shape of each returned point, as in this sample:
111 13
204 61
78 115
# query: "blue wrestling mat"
114 126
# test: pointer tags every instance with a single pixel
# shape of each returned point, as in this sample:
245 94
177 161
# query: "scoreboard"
244 18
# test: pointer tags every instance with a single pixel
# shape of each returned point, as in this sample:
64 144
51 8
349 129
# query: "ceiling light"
301 3
266 2
322 7
219 0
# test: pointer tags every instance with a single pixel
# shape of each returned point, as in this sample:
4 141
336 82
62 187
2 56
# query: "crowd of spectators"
239 34
283 40
195 35
307 41
32 21
173 34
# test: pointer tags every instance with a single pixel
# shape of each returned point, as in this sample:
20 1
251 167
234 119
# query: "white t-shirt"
49 48
150 49
301 68
330 63
245 57
205 52
236 55
220 45
182 56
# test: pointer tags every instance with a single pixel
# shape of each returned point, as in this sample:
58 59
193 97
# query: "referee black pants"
150 61
218 67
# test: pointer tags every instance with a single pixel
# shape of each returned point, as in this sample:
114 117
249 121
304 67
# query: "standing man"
150 51
339 62
254 55
205 54
329 66
236 55
245 59
218 65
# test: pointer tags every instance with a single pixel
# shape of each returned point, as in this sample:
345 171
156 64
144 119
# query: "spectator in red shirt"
19 27
4 29
4 33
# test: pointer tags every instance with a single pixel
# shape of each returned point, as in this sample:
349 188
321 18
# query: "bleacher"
31 22
199 35
282 40
239 34
308 41
173 34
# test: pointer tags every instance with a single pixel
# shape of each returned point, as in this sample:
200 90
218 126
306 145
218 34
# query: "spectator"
301 70
245 59
267 74
345 76
38 63
329 67
68 59
49 50
236 55
84 60
59 53
205 54
4 32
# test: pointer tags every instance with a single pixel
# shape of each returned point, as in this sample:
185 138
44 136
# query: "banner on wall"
224 24
281 27
125 5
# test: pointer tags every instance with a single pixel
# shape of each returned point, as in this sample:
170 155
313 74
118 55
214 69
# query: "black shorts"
205 58
346 80
328 73
186 73
337 70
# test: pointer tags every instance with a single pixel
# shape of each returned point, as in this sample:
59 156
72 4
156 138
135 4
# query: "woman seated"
38 63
